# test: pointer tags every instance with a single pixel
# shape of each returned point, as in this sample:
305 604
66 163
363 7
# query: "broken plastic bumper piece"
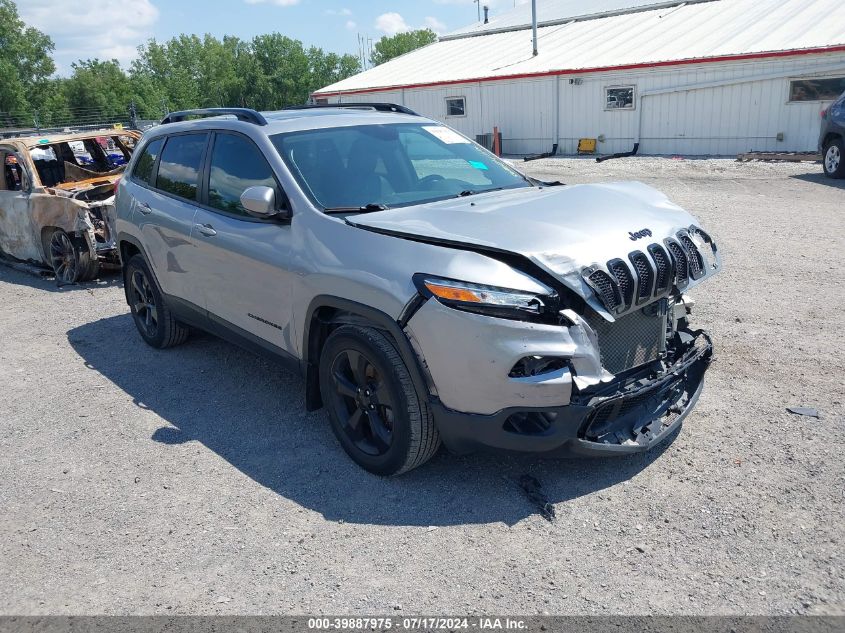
630 416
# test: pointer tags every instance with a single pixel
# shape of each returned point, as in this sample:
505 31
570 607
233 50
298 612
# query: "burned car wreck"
57 200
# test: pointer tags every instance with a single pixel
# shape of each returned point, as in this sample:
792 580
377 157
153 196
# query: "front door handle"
206 229
144 208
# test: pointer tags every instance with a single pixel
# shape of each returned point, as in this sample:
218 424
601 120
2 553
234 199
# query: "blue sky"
114 28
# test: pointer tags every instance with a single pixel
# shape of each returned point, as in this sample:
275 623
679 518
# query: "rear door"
242 263
164 210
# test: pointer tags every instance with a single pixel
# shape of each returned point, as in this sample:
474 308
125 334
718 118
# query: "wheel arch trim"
311 344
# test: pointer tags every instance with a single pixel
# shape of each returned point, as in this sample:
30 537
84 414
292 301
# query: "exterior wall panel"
721 120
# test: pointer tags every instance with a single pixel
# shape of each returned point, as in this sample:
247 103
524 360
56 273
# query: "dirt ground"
136 481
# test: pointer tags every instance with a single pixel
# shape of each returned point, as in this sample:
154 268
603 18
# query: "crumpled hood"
562 229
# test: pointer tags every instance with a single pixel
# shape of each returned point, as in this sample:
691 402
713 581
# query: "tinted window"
455 106
146 161
816 89
236 164
179 167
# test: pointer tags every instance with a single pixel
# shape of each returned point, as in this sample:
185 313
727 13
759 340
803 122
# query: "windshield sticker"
446 135
478 165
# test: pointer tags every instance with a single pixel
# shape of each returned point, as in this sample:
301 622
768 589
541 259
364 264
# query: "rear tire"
71 263
833 158
375 412
153 318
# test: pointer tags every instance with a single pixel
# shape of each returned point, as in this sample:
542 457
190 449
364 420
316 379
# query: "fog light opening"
531 366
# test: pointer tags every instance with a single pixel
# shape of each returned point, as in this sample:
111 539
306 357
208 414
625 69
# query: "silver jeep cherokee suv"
427 290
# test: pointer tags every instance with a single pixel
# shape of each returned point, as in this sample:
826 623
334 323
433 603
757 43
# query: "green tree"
24 59
389 47
98 88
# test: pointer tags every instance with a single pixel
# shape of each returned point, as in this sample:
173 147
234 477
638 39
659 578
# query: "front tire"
833 158
375 412
153 318
71 264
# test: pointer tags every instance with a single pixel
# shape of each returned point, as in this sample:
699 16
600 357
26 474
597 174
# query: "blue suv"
832 139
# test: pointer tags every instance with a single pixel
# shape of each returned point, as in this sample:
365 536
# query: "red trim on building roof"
582 71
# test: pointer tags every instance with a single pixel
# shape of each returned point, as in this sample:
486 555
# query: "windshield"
380 166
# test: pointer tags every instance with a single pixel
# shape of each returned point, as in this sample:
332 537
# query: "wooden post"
497 150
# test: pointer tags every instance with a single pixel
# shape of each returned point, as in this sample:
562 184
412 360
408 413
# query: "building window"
819 89
456 106
619 98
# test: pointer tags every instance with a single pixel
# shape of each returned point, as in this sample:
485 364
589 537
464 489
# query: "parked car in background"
57 199
427 289
832 139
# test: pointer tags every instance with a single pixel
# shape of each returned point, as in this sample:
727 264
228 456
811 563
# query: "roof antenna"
534 24
486 14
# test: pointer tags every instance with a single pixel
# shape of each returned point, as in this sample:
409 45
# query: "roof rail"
379 107
242 114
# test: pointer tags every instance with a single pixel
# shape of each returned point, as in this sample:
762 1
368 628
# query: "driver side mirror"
260 202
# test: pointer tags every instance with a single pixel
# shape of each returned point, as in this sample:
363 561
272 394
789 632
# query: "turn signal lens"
450 293
489 300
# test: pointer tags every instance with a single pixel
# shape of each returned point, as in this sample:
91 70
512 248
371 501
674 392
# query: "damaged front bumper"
627 416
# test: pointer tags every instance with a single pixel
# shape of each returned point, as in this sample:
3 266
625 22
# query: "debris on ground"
534 490
806 411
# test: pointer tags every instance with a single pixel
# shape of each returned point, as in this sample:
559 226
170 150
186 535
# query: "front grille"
632 340
622 286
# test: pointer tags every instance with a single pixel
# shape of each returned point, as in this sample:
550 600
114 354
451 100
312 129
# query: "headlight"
488 300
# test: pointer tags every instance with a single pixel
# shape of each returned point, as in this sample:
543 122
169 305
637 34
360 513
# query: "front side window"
456 106
821 89
619 98
179 167
236 165
346 168
146 161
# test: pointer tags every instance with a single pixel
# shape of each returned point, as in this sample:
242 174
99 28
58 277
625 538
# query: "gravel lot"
191 480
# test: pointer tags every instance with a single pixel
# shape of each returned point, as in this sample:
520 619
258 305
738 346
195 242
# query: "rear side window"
236 165
179 167
144 167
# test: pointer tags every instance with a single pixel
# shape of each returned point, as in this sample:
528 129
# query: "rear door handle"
206 229
144 208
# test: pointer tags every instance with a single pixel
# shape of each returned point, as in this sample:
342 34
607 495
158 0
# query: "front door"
242 263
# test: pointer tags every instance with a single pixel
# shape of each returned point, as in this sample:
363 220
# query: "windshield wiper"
472 192
367 208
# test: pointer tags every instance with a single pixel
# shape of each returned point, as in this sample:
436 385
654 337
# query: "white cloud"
105 29
350 25
435 25
278 3
391 23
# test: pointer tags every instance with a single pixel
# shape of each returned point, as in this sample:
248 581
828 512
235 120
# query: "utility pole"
478 8
534 24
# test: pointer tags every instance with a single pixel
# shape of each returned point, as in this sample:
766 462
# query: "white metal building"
698 77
